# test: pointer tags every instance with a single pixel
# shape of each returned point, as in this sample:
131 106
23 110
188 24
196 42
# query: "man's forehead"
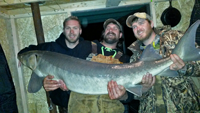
112 24
72 24
139 20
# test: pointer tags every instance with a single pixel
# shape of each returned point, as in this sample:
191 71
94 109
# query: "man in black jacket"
65 44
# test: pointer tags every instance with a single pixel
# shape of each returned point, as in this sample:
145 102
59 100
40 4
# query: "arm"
29 48
148 80
116 91
58 91
44 46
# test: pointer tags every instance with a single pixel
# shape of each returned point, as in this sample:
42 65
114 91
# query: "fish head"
29 59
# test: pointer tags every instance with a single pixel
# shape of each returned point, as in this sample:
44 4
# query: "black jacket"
58 46
8 102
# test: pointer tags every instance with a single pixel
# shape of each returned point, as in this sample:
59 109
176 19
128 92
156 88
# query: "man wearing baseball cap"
105 51
168 95
141 15
108 21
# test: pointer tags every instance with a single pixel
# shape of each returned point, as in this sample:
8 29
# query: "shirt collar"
155 43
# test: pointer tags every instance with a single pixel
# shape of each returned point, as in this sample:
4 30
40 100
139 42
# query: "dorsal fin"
185 48
149 54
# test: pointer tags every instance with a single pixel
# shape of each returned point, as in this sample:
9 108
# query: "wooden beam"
153 14
13 2
40 39
2 15
129 2
59 8
66 8
19 70
37 23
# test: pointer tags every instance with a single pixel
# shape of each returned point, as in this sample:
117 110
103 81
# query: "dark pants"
126 108
8 103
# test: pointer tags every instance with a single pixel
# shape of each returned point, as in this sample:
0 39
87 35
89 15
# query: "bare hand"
116 91
63 86
147 82
177 62
51 85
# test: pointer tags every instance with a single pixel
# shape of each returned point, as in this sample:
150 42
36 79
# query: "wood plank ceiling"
17 7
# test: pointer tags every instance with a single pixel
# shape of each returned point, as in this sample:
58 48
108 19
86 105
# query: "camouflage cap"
142 15
108 21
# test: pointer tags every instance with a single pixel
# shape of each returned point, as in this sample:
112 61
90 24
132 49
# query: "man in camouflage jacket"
172 95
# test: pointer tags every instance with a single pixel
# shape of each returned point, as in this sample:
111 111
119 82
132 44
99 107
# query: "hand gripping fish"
88 77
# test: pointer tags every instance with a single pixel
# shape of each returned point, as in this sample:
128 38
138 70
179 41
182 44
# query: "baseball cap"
142 15
108 21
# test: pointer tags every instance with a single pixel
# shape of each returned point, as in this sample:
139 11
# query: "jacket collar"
137 45
61 41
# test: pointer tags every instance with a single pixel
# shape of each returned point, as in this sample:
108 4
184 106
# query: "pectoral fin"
136 89
169 73
35 83
32 61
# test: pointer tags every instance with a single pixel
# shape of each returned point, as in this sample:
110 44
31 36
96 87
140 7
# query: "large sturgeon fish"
88 77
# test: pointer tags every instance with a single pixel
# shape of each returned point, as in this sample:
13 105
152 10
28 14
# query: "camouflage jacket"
172 95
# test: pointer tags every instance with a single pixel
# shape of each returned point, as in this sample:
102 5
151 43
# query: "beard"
147 36
110 40
74 40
